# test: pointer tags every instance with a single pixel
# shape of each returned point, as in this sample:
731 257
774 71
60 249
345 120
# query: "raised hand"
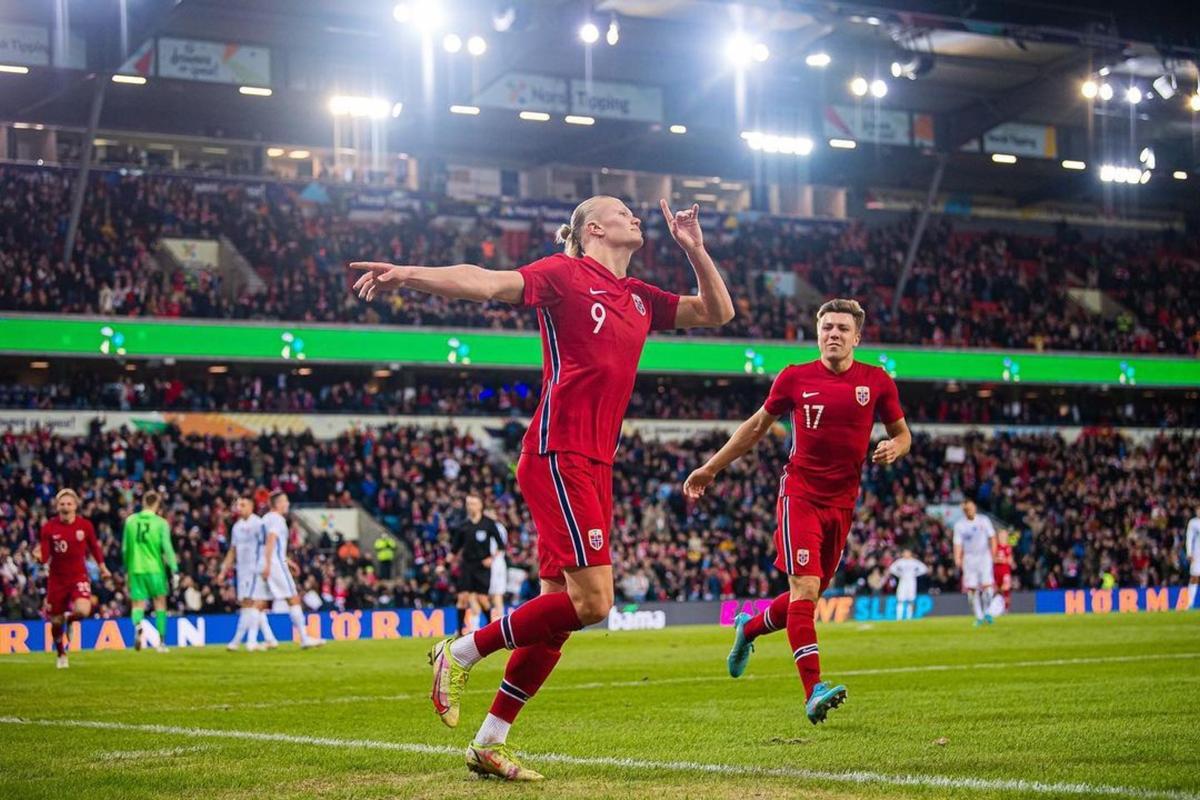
698 482
378 277
684 226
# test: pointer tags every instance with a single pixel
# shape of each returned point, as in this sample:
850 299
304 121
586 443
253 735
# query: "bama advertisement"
1112 601
198 631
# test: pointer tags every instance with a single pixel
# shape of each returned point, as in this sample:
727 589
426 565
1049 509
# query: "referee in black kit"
475 542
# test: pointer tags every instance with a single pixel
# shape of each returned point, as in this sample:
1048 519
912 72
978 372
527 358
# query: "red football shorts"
62 594
570 499
809 539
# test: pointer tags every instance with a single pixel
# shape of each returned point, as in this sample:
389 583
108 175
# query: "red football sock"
539 620
56 632
802 636
527 670
773 618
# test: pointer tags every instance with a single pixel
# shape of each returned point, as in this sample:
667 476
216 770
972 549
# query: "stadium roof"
1002 63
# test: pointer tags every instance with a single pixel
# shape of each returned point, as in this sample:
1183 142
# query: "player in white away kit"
1192 542
499 579
245 546
274 580
974 550
906 570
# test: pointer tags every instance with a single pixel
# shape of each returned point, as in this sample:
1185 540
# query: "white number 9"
599 314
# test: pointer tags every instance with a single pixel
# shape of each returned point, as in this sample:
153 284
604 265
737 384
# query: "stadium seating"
1103 502
968 289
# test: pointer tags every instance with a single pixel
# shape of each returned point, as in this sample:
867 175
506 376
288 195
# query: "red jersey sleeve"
664 305
782 397
889 400
546 280
44 545
93 543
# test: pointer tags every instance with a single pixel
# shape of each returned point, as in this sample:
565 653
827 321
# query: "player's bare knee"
592 608
804 588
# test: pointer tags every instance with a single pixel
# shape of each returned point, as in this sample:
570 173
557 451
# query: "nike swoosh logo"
810 394
597 291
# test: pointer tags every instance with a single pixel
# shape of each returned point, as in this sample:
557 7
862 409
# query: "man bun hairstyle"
571 235
843 305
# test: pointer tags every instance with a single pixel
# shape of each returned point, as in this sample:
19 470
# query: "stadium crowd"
967 289
1101 504
448 395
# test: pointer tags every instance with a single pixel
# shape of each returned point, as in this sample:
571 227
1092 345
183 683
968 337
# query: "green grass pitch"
1033 707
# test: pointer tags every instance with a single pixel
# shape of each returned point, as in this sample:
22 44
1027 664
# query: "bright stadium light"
859 86
1179 175
1089 89
1072 164
299 155
614 33
129 80
351 106
577 119
742 51
452 43
589 33
424 14
470 111
678 129
784 145
255 91
1004 158
1194 102
12 69
397 107
1111 173
534 116
879 88
476 46
1106 92
275 152
1133 95
818 60
760 52
843 144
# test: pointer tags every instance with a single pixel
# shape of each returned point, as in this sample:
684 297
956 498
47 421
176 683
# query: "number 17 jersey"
832 416
594 326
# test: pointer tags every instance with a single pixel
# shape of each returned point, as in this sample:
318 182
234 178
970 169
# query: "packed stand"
1102 503
967 289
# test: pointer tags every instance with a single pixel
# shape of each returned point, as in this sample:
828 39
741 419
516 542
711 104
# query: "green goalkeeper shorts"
144 586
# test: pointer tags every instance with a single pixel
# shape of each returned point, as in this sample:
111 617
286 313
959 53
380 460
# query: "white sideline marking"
853 777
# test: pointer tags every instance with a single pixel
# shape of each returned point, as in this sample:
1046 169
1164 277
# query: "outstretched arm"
460 282
744 439
711 306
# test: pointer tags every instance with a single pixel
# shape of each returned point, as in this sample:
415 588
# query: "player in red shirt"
1002 567
594 320
64 543
833 402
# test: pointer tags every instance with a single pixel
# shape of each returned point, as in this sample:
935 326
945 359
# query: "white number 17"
812 420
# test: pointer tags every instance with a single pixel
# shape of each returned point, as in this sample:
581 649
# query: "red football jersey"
832 417
65 548
1003 560
593 327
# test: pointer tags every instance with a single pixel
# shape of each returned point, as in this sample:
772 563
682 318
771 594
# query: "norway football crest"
639 305
862 394
79 535
802 557
595 535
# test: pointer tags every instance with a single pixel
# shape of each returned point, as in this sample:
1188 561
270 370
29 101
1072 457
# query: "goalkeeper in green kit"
148 557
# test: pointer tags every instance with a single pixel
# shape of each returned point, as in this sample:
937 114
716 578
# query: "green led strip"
136 338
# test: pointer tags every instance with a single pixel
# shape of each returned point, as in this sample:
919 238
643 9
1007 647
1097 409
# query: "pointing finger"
372 266
666 210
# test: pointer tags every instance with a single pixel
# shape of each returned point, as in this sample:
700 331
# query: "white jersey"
247 541
975 537
273 522
279 584
906 571
1192 545
499 576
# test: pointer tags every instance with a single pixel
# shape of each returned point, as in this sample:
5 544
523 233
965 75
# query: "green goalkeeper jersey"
147 544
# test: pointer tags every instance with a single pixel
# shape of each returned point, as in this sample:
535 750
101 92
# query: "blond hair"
843 306
571 234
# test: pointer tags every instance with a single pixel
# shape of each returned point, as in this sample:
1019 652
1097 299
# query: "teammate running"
63 545
974 554
833 403
274 579
594 320
906 570
1002 573
148 555
245 548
